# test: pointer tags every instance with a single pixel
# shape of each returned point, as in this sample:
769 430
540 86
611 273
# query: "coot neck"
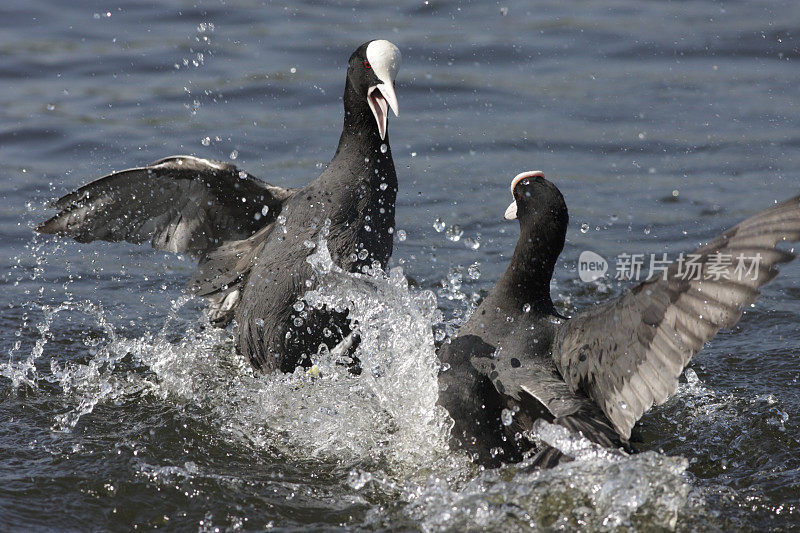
527 278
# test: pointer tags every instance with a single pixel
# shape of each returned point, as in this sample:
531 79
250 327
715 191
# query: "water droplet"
51 107
507 417
647 230
383 186
327 332
265 210
242 175
281 219
623 405
384 148
234 154
401 235
526 308
472 244
298 321
293 70
439 225
205 141
454 233
299 306
474 271
309 244
454 278
584 227
363 254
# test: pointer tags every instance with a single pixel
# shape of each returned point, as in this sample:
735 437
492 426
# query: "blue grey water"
662 122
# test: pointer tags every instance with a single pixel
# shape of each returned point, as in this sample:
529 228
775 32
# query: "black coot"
517 360
250 237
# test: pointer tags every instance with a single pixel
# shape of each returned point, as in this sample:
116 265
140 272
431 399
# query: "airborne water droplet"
474 271
384 148
439 225
507 417
472 244
584 227
401 235
454 233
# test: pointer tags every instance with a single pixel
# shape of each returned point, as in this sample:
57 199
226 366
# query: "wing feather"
178 204
628 353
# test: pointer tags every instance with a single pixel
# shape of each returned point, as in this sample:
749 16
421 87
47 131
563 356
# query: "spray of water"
383 426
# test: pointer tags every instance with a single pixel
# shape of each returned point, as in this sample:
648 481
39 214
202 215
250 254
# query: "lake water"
662 122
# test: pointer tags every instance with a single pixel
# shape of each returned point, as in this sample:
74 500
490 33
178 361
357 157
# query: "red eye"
366 64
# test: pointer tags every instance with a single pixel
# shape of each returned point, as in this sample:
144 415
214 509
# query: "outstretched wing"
179 204
628 353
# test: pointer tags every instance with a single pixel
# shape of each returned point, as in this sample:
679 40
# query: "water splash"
387 415
598 491
383 426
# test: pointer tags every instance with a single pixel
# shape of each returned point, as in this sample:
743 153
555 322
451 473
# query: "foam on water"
383 426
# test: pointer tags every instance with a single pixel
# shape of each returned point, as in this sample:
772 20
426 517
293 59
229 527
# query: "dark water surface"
662 123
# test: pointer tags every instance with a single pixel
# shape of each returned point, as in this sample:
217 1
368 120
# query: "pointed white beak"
511 212
380 98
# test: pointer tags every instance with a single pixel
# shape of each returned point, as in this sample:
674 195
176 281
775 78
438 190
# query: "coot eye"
366 64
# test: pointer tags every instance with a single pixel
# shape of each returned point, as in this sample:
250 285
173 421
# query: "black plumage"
600 371
252 238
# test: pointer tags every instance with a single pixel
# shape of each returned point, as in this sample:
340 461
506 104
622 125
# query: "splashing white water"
388 414
383 425
598 491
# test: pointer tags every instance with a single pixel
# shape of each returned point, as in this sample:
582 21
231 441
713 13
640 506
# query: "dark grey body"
250 237
597 373
499 341
355 195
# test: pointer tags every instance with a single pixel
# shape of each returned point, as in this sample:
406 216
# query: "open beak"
380 98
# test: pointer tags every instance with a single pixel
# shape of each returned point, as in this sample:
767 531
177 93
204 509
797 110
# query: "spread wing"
628 353
179 204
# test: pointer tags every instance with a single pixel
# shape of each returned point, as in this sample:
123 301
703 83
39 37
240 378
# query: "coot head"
371 72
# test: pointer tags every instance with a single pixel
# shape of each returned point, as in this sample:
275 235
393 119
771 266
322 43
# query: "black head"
537 203
370 73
